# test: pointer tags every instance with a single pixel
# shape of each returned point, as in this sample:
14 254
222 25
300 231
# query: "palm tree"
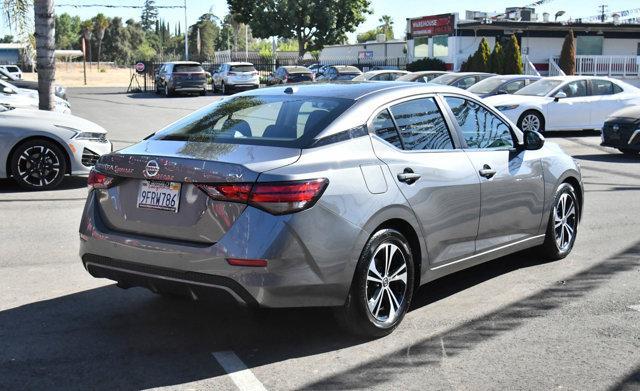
17 13
86 27
387 25
101 24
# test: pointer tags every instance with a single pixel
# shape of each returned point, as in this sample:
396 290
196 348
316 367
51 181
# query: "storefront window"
441 46
421 47
589 46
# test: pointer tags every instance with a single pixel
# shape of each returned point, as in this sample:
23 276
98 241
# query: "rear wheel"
38 165
203 92
563 224
223 88
382 286
629 152
531 121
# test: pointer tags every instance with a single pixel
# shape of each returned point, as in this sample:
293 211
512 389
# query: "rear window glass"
286 121
187 68
13 69
348 70
298 70
242 68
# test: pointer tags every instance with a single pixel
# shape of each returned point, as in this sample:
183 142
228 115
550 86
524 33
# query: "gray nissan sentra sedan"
345 195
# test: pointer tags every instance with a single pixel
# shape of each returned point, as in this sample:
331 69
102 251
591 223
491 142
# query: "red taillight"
274 197
98 180
247 262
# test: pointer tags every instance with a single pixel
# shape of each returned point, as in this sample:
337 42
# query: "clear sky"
398 9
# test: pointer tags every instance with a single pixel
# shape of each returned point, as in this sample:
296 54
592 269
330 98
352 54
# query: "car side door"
572 112
608 97
414 138
511 181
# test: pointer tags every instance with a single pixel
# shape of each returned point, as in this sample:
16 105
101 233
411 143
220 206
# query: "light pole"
186 29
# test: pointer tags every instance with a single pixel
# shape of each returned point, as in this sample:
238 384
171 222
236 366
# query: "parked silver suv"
345 195
235 76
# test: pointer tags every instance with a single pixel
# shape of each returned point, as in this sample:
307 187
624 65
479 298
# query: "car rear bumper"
301 271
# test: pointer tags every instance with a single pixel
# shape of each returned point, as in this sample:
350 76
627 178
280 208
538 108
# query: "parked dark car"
339 72
422 76
181 76
60 91
462 80
291 74
502 84
622 130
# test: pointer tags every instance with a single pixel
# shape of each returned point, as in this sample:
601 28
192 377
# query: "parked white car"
13 70
12 96
566 102
233 76
38 148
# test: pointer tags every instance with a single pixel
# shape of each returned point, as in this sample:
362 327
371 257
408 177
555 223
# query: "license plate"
159 195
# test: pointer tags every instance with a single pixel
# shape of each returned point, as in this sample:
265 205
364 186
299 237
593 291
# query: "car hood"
43 119
500 100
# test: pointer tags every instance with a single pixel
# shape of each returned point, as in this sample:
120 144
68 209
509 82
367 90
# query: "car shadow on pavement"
68 183
572 133
610 158
629 383
107 338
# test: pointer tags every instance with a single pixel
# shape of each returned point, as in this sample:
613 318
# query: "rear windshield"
242 68
187 68
487 85
348 69
445 79
283 121
298 70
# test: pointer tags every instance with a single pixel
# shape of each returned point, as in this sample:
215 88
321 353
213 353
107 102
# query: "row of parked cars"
38 148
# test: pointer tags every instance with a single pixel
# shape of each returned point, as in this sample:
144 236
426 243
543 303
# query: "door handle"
487 172
408 176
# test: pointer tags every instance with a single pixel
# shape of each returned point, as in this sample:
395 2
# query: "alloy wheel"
386 285
531 122
565 221
38 166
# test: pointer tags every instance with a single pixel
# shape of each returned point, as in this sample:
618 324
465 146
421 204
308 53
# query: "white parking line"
243 378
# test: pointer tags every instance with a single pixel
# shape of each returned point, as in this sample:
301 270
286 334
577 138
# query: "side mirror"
7 90
502 92
533 140
560 95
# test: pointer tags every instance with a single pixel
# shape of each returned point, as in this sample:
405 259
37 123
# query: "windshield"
486 86
282 121
445 79
193 68
539 88
242 68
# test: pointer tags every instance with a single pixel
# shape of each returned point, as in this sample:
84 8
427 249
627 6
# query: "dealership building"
609 48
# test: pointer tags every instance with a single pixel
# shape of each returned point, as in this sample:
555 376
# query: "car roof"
298 68
238 63
472 73
513 77
379 71
182 63
349 89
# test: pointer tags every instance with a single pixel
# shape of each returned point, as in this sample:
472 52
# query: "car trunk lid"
177 169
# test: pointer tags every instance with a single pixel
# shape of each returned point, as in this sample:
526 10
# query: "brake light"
247 262
274 197
99 180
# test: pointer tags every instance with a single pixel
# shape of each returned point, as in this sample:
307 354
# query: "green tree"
101 23
496 60
6 39
67 31
313 23
386 26
209 33
149 15
513 57
367 36
568 55
480 59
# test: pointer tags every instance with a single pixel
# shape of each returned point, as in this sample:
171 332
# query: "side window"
384 128
480 128
575 89
604 87
465 83
421 125
514 86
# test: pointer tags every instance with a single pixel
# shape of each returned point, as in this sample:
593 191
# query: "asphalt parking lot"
514 323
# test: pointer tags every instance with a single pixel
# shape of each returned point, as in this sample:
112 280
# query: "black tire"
355 316
38 164
214 89
203 92
223 88
167 91
629 152
551 249
525 116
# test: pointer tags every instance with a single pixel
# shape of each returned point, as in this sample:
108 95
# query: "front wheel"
382 286
562 227
531 121
38 165
167 91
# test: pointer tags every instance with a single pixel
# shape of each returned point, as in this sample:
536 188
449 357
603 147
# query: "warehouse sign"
433 25
365 54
